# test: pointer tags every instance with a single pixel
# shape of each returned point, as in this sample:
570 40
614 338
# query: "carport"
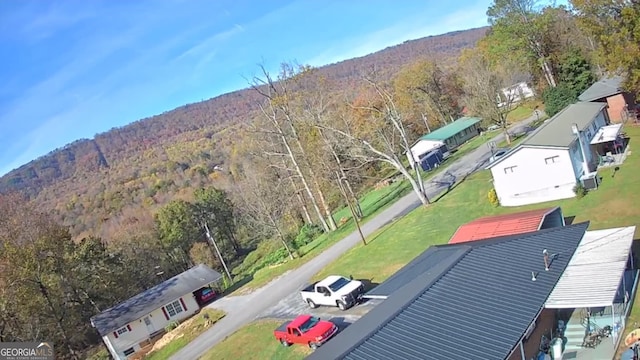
598 283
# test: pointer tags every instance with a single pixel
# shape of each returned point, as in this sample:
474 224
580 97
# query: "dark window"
552 160
122 330
338 284
309 324
509 169
129 351
174 308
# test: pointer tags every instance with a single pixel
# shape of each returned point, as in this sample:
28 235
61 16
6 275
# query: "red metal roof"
500 225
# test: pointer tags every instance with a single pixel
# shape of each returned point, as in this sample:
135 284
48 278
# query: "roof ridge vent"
545 255
533 276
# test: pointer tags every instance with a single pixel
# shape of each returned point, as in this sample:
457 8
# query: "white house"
548 163
448 137
516 93
129 326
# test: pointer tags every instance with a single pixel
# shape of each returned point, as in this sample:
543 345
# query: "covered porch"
609 146
592 297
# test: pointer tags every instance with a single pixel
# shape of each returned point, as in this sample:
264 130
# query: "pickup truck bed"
310 288
283 328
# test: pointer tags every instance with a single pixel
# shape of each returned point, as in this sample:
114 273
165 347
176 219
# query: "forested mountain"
90 182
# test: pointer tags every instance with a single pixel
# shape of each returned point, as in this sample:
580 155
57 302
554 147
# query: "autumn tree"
487 88
520 29
427 94
282 118
615 25
374 130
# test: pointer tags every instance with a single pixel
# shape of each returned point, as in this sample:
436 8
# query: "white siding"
140 331
422 147
534 175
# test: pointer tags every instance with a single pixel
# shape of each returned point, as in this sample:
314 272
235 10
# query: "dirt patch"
172 335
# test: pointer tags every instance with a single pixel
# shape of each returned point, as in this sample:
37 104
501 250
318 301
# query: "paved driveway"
262 302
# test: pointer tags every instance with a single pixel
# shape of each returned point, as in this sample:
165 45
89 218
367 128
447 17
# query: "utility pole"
351 208
215 246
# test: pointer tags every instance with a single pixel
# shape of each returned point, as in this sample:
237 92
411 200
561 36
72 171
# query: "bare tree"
281 116
374 131
262 191
488 90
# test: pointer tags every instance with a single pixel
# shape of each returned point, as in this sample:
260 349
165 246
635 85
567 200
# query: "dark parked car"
205 295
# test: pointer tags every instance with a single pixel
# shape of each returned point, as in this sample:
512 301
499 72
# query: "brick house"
622 104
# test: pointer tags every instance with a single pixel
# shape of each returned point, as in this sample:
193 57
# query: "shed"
509 224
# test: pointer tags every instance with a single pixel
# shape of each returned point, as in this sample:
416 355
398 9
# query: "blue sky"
73 69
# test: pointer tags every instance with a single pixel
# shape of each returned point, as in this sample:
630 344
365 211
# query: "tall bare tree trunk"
303 179
303 204
342 175
314 178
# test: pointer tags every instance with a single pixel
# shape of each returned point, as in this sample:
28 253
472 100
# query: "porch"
609 146
592 298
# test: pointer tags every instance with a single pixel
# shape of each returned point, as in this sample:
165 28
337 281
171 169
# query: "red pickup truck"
306 329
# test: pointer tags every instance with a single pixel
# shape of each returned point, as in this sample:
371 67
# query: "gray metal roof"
556 132
601 89
478 306
428 261
154 298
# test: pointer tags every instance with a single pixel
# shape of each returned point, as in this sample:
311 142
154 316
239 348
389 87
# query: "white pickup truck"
333 291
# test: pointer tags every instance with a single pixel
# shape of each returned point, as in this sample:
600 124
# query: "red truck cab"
306 329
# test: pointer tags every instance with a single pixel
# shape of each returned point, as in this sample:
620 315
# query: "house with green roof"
449 136
555 157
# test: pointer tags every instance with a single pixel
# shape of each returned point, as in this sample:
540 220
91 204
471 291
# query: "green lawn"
371 204
389 249
256 342
523 111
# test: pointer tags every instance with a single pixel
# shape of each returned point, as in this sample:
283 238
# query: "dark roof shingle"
603 88
477 307
154 298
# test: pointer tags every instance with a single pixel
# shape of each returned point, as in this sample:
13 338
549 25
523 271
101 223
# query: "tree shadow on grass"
236 285
453 181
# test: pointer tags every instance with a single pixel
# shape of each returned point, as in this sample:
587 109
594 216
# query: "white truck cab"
334 290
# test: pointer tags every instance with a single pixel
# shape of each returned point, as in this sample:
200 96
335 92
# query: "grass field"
613 204
256 342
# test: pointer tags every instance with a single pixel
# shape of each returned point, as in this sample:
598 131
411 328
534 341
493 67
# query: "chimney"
545 254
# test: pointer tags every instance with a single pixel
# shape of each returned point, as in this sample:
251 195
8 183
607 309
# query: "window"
122 330
594 126
129 351
174 308
552 160
509 169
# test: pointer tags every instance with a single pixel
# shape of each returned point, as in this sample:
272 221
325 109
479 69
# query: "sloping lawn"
256 342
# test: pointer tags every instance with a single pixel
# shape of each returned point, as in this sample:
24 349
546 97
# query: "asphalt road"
244 309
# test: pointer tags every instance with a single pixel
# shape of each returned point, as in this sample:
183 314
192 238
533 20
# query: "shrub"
579 190
172 325
306 235
493 197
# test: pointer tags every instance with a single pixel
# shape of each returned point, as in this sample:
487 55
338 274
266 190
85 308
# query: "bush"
493 197
172 325
579 190
306 235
